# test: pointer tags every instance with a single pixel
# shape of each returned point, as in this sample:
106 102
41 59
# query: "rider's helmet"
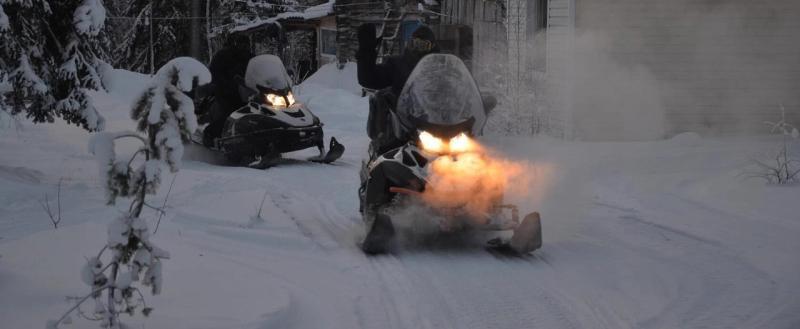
440 98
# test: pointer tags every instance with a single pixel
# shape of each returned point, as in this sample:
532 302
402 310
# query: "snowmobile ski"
335 151
265 162
526 238
379 237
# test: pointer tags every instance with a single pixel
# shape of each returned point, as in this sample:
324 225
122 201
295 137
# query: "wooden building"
327 32
395 20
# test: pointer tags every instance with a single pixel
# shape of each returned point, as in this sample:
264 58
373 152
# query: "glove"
366 37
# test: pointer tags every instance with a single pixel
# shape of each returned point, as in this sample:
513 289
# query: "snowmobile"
272 121
438 112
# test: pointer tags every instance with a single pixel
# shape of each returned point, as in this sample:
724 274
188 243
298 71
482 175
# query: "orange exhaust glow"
470 181
476 182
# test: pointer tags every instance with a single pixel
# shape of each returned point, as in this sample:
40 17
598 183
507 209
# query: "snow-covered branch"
48 55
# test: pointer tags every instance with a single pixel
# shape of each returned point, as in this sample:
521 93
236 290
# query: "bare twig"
54 218
58 196
141 150
157 209
260 206
783 171
160 214
80 311
78 304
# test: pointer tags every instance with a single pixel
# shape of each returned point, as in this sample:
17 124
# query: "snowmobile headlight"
290 98
431 143
461 143
275 100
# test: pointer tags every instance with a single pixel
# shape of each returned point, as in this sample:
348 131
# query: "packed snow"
663 234
4 24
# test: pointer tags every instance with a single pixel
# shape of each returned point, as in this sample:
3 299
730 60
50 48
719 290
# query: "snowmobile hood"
266 72
267 117
441 92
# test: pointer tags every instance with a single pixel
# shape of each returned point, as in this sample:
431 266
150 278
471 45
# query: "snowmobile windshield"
266 72
441 94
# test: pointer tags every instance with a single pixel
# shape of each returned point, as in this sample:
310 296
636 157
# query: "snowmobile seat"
381 126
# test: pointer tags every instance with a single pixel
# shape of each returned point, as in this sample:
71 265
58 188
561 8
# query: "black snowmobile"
439 110
272 121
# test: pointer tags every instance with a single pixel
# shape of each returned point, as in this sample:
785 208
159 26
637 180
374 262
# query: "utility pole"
516 21
195 48
152 52
209 45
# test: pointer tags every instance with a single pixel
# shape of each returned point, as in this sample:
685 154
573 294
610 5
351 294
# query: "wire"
252 15
144 18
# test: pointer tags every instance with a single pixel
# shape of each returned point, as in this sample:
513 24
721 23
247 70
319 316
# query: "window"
328 42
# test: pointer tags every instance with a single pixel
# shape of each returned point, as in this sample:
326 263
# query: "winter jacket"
225 67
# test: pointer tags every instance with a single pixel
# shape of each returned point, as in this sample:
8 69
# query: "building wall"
350 14
489 44
715 66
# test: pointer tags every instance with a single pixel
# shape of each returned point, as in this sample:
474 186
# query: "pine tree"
50 58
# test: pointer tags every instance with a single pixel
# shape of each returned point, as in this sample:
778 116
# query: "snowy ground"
666 234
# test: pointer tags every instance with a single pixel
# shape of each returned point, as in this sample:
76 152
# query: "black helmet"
441 95
425 33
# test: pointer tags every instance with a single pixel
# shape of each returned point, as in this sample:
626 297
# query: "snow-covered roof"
318 11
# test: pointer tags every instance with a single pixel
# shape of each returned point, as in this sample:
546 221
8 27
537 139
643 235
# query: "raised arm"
370 74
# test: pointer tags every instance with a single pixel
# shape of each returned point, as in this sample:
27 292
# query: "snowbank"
330 76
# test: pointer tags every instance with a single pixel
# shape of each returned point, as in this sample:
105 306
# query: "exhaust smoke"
476 182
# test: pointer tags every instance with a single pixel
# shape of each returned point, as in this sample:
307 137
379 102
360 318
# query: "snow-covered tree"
50 58
148 31
229 14
165 119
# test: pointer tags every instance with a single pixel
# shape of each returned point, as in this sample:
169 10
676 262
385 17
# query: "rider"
393 72
441 99
227 71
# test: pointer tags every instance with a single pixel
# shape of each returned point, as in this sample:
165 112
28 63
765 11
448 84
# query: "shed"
304 40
